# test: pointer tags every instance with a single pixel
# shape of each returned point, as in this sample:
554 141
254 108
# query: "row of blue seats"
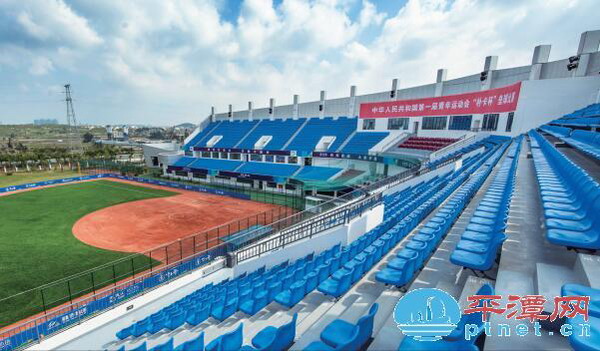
488 142
559 132
362 142
246 293
582 122
484 234
408 203
570 197
587 116
401 270
268 339
200 136
377 242
585 141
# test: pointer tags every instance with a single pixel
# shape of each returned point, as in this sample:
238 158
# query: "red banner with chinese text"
488 101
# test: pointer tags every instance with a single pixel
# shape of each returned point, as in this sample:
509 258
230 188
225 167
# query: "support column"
439 81
230 113
249 110
295 107
491 63
394 91
322 104
272 109
352 102
541 53
212 114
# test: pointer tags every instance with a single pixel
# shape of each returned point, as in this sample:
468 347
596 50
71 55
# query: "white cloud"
40 66
157 53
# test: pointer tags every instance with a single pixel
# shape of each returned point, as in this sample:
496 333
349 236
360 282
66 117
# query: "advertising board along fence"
74 313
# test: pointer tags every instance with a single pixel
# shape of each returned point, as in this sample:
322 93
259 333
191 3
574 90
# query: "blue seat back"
285 335
365 325
232 340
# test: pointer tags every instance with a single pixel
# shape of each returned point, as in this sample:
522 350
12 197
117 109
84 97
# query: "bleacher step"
548 281
587 269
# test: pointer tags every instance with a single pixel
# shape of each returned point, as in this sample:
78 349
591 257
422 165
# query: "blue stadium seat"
229 341
141 347
337 288
196 344
293 295
274 338
346 346
572 289
166 346
339 331
578 338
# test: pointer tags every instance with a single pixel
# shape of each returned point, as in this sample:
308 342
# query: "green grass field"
34 177
37 245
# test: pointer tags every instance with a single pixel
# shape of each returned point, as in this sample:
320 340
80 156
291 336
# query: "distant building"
43 121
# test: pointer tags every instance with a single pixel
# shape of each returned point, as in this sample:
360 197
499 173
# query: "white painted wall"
544 100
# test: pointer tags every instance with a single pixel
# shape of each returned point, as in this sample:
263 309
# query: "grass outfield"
37 245
34 177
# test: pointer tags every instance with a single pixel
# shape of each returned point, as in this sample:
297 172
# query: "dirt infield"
143 225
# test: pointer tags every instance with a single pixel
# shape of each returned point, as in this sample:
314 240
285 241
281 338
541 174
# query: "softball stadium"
316 225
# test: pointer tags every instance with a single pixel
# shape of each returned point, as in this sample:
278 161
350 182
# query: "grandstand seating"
273 169
201 135
331 272
280 131
401 270
570 197
428 144
231 132
214 164
490 140
587 116
306 140
585 141
559 132
317 173
484 235
362 142
184 161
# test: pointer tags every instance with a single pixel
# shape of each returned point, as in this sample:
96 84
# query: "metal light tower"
71 120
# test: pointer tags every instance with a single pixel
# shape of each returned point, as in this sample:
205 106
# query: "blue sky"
164 62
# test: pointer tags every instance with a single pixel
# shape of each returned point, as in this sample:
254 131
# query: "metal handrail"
307 229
